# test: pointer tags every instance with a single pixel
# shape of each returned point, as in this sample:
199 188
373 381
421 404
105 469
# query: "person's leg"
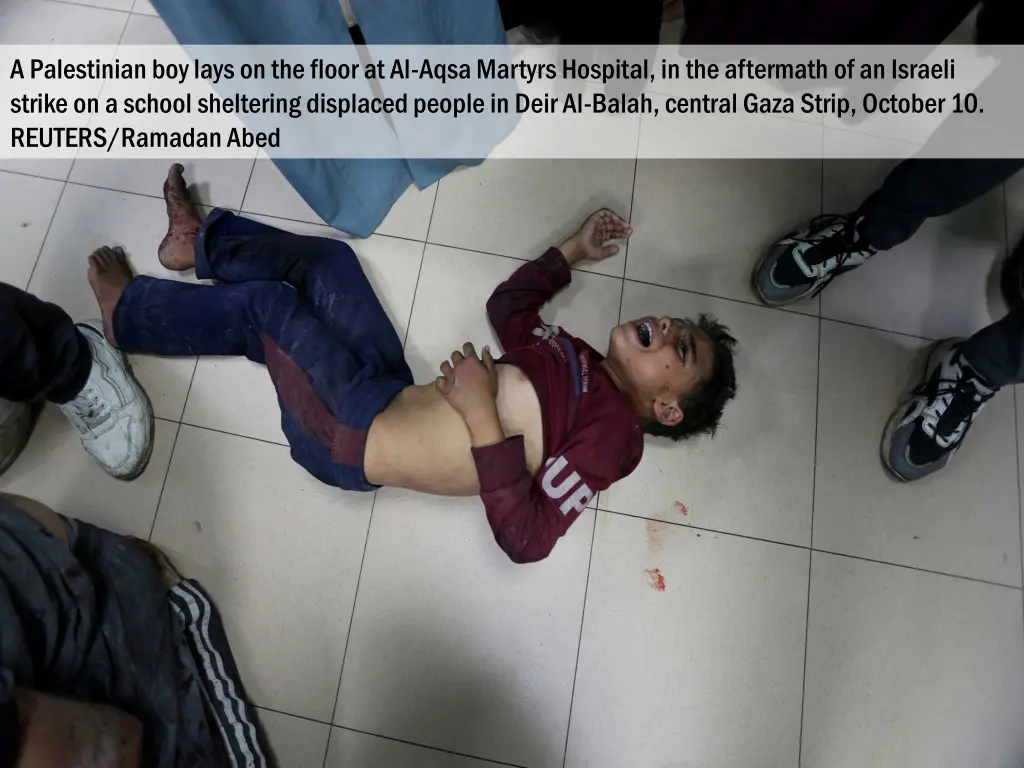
207 648
961 376
802 264
327 272
1011 279
997 351
219 677
920 189
232 249
42 354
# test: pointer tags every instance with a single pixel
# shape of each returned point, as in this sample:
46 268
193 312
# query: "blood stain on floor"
680 507
656 580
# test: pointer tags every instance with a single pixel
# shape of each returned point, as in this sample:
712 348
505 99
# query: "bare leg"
183 223
109 275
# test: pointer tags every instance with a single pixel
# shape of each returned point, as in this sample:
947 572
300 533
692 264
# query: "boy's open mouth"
644 332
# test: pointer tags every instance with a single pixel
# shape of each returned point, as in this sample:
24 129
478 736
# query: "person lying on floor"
108 657
536 434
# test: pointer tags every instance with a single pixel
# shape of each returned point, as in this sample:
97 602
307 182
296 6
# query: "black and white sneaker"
800 265
930 425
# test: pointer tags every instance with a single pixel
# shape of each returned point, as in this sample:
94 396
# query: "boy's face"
660 359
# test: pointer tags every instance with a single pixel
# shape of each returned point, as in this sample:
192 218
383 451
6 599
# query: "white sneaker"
112 413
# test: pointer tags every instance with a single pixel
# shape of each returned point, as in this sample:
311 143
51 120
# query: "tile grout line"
103 85
167 474
423 258
1020 502
174 445
65 181
252 171
92 7
814 486
579 641
1008 250
702 529
632 206
973 579
351 621
42 245
810 556
597 512
366 544
385 738
774 542
425 746
233 434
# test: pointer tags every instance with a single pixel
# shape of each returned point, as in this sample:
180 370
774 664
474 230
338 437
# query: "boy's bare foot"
183 223
109 275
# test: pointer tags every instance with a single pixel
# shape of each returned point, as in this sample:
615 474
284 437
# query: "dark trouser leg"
997 352
919 189
329 393
219 677
327 272
42 354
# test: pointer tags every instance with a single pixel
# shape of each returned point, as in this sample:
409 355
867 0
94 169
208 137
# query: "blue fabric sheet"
353 195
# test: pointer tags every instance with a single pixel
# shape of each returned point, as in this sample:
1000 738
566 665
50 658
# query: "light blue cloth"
353 195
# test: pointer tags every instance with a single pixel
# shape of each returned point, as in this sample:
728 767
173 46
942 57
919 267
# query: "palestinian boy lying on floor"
535 433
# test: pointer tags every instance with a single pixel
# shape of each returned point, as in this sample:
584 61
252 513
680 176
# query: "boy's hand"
470 385
590 243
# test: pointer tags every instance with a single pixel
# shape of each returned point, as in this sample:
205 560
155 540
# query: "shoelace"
965 400
841 245
89 407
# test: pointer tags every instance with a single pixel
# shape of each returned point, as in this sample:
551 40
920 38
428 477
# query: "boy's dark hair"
703 405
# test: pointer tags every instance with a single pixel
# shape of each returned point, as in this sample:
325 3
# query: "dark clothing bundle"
752 22
588 22
822 22
93 622
42 354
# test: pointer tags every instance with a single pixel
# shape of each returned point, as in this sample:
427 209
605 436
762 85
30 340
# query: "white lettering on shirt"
545 332
577 494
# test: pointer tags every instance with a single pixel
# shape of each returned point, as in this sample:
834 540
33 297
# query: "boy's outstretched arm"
514 306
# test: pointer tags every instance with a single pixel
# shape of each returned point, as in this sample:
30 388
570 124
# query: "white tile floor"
814 612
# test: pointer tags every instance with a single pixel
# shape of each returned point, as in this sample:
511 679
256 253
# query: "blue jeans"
303 307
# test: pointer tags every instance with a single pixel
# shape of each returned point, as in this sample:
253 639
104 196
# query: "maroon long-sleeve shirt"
591 434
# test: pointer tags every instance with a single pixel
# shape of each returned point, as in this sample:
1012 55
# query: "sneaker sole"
143 396
937 352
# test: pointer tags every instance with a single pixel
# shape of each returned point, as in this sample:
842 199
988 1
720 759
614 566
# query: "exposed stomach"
420 442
